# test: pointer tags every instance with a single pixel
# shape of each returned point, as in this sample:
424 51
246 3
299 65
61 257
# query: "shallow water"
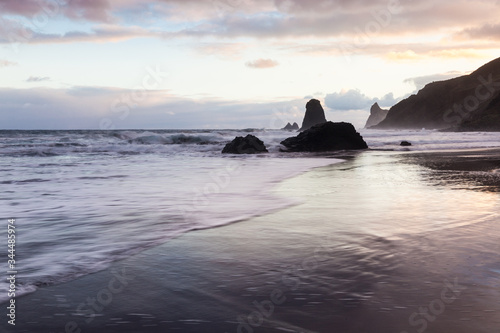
85 199
372 244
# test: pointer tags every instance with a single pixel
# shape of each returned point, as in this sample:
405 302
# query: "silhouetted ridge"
466 103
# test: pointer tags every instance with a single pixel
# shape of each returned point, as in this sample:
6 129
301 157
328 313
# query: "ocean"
85 199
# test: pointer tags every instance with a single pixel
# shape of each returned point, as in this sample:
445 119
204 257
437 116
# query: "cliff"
466 103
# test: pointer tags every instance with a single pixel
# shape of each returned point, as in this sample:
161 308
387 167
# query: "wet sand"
471 169
385 242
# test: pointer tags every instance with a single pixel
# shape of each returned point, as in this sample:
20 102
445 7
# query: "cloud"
38 79
91 107
224 50
354 99
12 32
262 63
91 10
332 27
421 81
348 100
6 63
341 18
403 55
486 32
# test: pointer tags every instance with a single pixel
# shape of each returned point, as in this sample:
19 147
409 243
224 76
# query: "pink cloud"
6 63
13 32
485 32
361 26
92 10
262 63
38 79
24 8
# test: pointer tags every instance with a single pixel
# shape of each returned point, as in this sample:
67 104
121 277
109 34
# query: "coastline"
366 250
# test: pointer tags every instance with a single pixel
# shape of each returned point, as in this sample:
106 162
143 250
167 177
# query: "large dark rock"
245 145
377 114
290 127
326 137
466 103
314 115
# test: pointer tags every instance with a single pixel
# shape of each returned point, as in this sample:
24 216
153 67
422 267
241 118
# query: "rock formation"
328 136
376 115
245 145
290 127
466 103
314 115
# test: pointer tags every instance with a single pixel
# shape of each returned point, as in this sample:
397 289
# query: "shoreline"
292 270
471 168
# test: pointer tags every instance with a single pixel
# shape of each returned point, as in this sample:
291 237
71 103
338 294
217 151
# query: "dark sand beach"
384 242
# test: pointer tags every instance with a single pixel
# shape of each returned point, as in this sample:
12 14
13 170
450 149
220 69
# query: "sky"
131 64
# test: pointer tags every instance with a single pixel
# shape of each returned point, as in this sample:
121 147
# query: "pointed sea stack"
376 115
314 115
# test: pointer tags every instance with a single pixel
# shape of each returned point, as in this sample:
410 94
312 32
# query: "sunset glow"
227 63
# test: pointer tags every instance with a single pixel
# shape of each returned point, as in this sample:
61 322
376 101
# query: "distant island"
466 103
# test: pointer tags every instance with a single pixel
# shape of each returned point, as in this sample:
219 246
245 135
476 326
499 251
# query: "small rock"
405 143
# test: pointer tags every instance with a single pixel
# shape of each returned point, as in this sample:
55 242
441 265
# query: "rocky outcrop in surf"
245 145
328 136
290 127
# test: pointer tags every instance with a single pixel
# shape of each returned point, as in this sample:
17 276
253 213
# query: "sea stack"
290 127
377 114
314 115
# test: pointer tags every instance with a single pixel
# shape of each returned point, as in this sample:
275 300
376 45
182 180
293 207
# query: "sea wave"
167 138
